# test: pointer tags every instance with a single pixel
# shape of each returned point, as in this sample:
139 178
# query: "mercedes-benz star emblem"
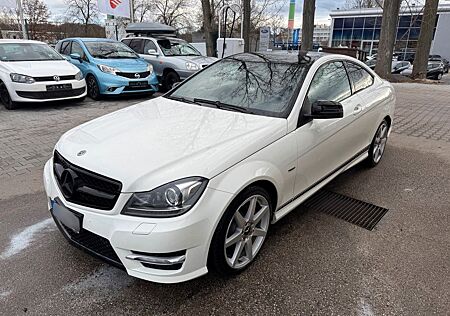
137 76
56 78
81 153
69 182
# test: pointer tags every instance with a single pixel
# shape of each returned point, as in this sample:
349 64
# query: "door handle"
358 109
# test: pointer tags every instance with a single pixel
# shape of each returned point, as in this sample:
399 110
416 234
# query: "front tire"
439 76
378 145
93 90
170 78
241 232
5 98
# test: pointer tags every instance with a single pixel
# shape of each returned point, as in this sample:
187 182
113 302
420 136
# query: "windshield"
27 52
177 48
110 50
256 86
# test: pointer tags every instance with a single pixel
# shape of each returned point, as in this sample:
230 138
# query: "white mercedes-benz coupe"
32 71
192 180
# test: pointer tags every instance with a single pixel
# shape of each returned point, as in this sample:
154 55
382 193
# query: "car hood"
200 60
124 64
41 68
162 140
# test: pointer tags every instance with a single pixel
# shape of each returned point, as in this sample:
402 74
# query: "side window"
149 45
126 41
76 48
359 77
330 83
136 45
65 48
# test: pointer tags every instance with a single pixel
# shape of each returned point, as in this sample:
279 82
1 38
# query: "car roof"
10 41
90 39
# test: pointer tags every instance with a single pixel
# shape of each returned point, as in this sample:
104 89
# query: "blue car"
110 67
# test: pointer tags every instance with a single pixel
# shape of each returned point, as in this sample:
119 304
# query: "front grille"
132 75
86 187
91 243
51 94
50 78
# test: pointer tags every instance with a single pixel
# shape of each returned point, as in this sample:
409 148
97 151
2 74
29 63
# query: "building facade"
361 28
321 33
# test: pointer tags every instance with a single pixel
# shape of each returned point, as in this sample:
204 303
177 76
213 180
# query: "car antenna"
303 57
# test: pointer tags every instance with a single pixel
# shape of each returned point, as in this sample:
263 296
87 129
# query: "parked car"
192 180
173 59
438 58
435 70
31 71
399 66
110 67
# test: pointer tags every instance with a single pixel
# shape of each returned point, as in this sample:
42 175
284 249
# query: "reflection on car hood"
201 60
41 68
161 140
124 64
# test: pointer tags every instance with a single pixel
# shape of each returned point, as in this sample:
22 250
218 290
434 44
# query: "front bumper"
115 84
188 235
37 92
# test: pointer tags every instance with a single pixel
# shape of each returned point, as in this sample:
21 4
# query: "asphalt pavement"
311 264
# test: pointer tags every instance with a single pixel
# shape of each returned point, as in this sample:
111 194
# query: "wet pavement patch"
360 213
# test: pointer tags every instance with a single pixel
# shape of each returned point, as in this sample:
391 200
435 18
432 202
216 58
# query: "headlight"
21 78
108 70
172 199
150 68
192 66
79 75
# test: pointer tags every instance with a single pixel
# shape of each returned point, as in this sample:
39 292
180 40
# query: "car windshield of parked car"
254 85
177 48
27 52
110 50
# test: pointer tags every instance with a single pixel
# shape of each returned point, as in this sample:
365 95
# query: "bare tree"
36 12
83 11
354 4
142 10
309 8
425 38
391 10
209 25
247 8
171 12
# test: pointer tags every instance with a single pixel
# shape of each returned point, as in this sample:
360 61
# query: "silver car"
173 59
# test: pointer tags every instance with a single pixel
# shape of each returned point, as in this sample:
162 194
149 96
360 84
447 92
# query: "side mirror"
76 56
152 52
324 109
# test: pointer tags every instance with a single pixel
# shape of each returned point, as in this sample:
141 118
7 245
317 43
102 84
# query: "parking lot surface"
311 263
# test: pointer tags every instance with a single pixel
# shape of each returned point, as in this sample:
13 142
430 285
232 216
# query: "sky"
323 8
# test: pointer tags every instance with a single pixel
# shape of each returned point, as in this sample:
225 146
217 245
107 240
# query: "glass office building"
361 28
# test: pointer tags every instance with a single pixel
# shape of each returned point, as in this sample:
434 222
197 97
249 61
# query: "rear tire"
169 79
241 232
378 145
93 91
5 98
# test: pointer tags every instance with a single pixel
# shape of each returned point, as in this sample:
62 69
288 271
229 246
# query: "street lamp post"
22 20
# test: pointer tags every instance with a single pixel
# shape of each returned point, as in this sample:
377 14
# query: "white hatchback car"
193 179
32 71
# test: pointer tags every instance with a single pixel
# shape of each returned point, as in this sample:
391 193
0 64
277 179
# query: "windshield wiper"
182 99
223 106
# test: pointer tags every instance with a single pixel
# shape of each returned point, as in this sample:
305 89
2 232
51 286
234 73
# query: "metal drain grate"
354 211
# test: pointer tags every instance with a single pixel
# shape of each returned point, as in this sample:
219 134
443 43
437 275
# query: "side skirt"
286 208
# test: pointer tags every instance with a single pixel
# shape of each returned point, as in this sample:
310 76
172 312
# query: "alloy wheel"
380 142
247 231
92 88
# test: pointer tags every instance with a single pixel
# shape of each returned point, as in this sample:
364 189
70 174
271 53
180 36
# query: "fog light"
111 89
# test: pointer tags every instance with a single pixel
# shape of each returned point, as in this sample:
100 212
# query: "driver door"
324 145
